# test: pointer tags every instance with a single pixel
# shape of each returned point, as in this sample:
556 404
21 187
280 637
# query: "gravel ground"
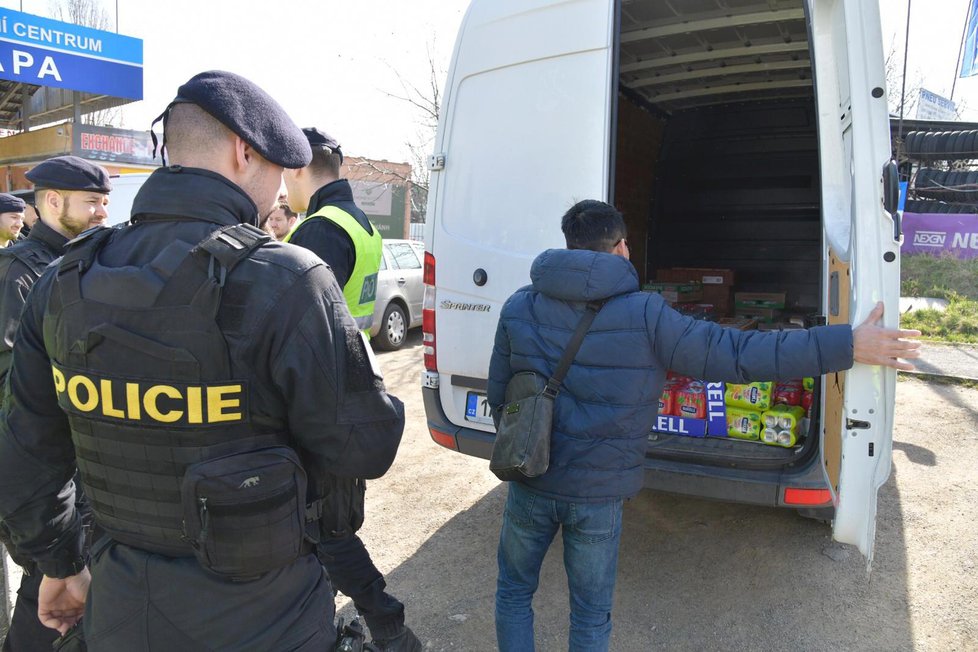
699 575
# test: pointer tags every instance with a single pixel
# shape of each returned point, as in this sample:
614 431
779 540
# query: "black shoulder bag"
522 447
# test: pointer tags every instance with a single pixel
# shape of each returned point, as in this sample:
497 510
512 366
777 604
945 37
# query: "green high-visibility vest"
360 290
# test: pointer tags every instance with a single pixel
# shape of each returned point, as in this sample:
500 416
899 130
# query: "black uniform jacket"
327 240
16 280
288 332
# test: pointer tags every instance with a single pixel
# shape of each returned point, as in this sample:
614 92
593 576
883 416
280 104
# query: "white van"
124 189
745 135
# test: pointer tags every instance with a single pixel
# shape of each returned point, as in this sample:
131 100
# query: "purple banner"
940 233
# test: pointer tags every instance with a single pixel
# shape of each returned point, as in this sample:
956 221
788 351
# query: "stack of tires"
934 188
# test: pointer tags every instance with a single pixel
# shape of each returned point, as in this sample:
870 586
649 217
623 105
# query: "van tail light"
428 314
443 438
807 497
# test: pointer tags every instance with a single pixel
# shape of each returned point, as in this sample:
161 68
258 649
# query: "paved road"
950 360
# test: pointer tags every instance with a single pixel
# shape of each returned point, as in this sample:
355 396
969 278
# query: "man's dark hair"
325 162
289 213
594 225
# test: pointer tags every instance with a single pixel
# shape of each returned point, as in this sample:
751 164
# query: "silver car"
400 293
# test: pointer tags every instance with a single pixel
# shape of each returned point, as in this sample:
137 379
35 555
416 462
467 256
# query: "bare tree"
894 85
89 13
425 99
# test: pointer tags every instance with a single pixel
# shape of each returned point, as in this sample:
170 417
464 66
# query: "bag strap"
224 249
590 312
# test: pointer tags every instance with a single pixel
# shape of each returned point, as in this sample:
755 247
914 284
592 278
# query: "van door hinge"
856 424
436 162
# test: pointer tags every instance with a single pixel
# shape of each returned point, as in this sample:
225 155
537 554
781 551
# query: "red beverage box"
691 401
788 393
807 398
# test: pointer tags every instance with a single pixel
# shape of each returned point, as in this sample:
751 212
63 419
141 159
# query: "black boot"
403 641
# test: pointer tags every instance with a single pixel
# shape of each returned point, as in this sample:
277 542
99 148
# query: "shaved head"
193 135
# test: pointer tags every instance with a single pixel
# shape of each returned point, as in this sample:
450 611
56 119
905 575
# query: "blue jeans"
591 533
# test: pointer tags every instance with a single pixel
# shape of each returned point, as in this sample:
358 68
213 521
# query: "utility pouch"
343 509
244 514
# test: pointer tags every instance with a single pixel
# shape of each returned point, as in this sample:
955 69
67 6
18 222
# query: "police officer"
337 231
72 194
11 218
201 377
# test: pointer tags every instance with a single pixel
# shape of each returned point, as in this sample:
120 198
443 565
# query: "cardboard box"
759 300
762 315
779 326
704 275
717 284
696 310
676 292
740 323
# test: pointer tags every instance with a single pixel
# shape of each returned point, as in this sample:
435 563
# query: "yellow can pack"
775 437
754 396
784 417
743 424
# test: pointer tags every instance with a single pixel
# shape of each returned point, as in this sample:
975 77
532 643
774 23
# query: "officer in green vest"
339 233
335 229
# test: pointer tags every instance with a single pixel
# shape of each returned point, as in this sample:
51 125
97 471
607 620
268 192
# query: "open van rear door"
525 133
862 239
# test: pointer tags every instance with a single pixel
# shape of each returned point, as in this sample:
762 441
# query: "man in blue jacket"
608 399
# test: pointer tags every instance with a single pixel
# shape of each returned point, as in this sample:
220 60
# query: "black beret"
11 204
70 173
322 140
249 112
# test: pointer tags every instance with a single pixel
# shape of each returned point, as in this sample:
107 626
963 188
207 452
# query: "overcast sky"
331 63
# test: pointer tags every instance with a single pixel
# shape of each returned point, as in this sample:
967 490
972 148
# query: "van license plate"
477 408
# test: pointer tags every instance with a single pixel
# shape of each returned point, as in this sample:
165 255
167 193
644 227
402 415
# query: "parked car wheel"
393 328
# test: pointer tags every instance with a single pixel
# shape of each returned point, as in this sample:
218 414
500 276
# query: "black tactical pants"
353 574
26 633
141 601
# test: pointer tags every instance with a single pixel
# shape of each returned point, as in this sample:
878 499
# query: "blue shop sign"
46 52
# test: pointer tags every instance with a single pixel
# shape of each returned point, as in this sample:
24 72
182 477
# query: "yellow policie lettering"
133 401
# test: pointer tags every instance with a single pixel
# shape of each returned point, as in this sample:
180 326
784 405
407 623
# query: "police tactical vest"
34 255
144 374
360 290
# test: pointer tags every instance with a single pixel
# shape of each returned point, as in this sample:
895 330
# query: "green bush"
946 277
959 323
940 277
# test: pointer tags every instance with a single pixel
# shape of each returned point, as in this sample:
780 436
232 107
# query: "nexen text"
148 402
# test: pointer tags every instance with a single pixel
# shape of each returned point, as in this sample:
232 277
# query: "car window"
383 262
404 256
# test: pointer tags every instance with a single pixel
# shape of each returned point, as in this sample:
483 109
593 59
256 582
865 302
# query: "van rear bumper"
747 486
464 440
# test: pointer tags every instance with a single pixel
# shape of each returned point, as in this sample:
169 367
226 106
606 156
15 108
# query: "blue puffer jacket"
609 399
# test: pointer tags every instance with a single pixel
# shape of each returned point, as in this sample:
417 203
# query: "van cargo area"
716 169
